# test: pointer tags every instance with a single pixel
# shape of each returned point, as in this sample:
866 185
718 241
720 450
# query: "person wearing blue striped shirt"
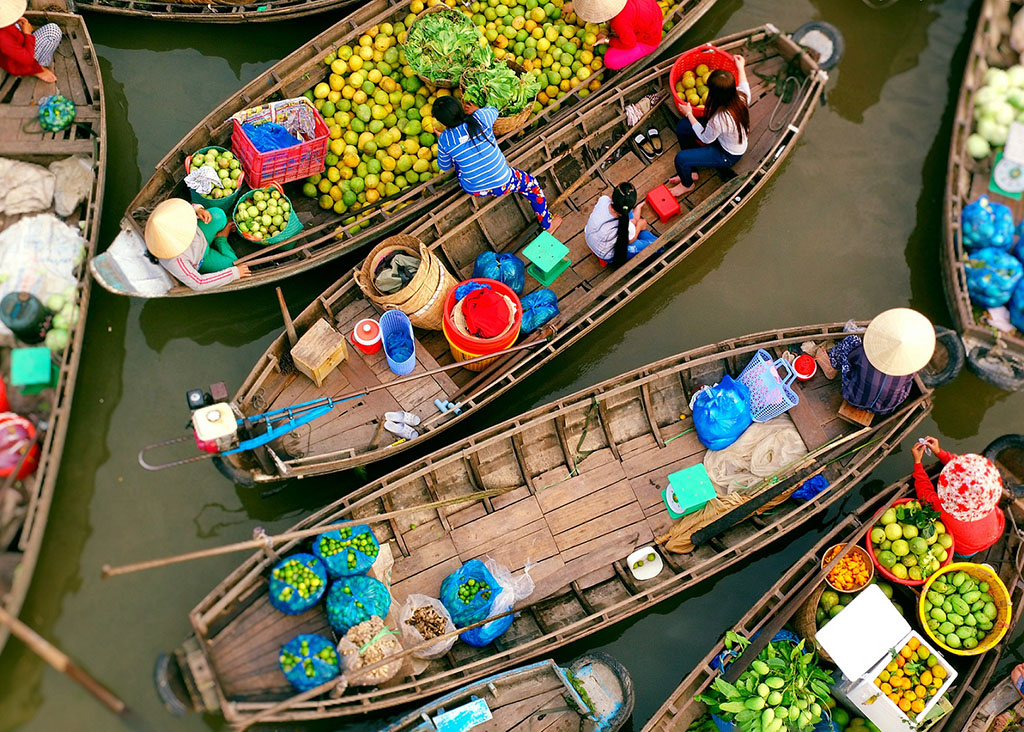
468 144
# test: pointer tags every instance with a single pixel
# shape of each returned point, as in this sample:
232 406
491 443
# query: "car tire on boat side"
948 360
235 475
1007 454
1003 372
625 711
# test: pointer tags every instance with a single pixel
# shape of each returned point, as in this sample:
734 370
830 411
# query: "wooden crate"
319 351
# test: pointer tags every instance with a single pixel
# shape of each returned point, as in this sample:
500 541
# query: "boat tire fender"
950 342
625 710
1013 444
162 678
1002 372
815 29
235 474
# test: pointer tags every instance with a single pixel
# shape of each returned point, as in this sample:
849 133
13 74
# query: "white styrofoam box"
863 632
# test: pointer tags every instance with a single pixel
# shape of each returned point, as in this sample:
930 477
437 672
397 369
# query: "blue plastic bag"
467 287
354 599
307 583
987 224
539 307
721 413
991 276
505 268
1016 306
811 488
468 593
347 551
308 660
269 136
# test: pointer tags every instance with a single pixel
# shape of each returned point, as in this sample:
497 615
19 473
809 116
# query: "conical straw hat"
899 342
171 228
11 10
597 11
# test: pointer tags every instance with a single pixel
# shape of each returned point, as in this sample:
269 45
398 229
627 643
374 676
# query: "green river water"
849 226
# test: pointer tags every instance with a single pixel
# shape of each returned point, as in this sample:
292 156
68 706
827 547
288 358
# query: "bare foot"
47 76
556 221
674 180
678 191
695 176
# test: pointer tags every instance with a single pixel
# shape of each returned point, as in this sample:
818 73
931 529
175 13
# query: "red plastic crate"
711 56
663 203
286 164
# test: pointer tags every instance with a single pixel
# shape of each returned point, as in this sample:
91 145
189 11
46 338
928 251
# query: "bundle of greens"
440 46
500 87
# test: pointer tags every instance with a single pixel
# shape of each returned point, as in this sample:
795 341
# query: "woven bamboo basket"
364 276
804 620
512 123
439 8
426 306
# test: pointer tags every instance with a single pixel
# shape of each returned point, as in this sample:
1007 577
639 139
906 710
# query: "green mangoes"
959 578
946 628
935 598
940 587
953 640
990 610
947 606
960 607
774 698
754 703
971 597
970 643
970 621
938 614
983 586
955 619
965 632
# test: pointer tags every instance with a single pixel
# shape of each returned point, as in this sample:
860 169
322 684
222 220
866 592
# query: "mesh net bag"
365 644
308 660
297 583
352 600
991 276
985 223
348 551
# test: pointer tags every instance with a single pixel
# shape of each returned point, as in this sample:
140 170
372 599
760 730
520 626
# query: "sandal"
644 147
655 137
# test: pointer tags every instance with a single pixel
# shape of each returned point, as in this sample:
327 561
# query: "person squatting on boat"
467 143
879 370
636 27
25 51
722 140
616 230
191 243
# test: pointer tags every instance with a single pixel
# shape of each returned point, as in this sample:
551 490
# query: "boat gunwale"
181 12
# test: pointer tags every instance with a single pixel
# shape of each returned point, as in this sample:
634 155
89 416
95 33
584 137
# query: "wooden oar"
56 658
543 588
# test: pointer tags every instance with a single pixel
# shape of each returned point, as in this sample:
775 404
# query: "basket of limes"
265 216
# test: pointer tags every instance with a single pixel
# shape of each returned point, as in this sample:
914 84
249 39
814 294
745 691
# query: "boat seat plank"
683 447
423 534
595 504
424 557
635 446
600 525
806 421
597 460
507 499
466 515
607 593
496 525
578 486
641 530
428 581
515 551
531 715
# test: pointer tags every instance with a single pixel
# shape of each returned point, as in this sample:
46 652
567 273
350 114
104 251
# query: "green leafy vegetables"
500 87
444 44
783 690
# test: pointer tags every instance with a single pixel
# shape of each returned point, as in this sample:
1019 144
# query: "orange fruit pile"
852 572
912 678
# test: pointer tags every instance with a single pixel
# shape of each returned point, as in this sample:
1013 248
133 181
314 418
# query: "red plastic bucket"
464 346
805 367
366 336
16 433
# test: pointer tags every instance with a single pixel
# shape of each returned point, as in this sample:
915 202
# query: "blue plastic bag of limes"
985 223
347 551
297 583
468 593
308 660
992 275
352 600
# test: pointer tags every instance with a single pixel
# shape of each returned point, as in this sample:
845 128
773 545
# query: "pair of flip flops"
648 144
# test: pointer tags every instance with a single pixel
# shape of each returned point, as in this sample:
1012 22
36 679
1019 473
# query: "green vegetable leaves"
443 44
922 518
500 87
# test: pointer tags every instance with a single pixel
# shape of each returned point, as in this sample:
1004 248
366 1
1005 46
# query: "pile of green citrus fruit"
229 170
263 215
904 548
469 589
297 578
960 610
328 546
831 603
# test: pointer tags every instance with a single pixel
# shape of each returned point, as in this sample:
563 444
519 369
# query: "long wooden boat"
572 169
23 521
996 357
219 11
542 695
579 483
325 237
781 602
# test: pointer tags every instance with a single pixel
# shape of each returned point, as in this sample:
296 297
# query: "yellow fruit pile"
693 86
912 678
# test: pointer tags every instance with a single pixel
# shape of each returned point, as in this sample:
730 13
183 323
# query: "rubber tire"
839 45
955 349
236 475
162 679
628 695
1001 374
1016 442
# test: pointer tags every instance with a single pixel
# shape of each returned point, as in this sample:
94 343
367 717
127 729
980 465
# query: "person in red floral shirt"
636 27
24 50
967 497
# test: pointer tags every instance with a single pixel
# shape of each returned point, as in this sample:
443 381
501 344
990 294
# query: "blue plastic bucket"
395 322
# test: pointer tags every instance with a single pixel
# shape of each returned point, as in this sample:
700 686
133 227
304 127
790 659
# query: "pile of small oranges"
912 678
852 573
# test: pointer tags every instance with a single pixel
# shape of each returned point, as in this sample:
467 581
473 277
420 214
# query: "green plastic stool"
688 490
548 258
31 369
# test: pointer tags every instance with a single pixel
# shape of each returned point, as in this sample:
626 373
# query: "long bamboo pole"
60 661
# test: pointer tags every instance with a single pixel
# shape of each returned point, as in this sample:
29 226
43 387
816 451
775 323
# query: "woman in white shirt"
722 140
616 229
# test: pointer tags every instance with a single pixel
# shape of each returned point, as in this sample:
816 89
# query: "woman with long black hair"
467 143
616 230
722 140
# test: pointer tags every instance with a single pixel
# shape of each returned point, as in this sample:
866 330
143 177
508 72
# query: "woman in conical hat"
191 243
967 497
24 50
636 26
879 370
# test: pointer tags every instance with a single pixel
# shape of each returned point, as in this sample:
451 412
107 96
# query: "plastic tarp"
125 268
24 187
762 450
38 254
74 179
539 307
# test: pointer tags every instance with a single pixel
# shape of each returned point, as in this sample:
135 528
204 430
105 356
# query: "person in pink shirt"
967 497
636 26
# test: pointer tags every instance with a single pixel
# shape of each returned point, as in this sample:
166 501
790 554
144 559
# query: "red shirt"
639 22
968 536
17 52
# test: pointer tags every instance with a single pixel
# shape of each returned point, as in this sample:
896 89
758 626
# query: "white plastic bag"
74 181
412 637
24 187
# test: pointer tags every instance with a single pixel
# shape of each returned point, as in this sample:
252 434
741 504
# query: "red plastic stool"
663 203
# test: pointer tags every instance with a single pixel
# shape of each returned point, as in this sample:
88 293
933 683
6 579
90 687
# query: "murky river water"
851 225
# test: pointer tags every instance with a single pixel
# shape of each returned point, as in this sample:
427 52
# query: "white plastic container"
650 569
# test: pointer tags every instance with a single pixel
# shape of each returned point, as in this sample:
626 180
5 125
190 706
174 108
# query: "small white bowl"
650 569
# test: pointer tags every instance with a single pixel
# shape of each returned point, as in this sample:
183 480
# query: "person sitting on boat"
467 143
191 243
616 230
721 141
878 371
25 51
636 26
967 498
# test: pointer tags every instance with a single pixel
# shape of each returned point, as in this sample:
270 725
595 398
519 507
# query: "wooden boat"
574 170
221 11
542 695
23 518
996 357
319 242
779 605
578 488
1004 702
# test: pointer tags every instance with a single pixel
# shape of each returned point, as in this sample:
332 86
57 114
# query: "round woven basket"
804 620
439 8
512 123
364 275
426 306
